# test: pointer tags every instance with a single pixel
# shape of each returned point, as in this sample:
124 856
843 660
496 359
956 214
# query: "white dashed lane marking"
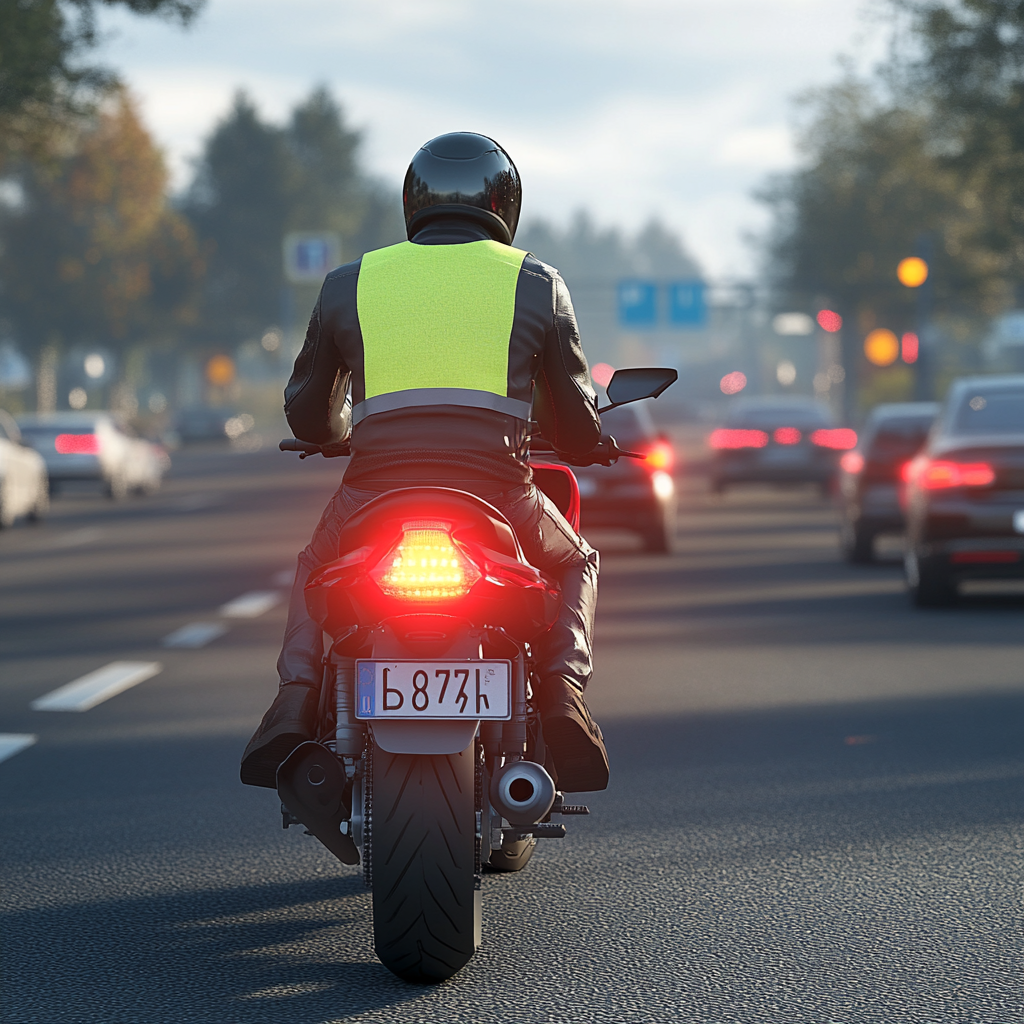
78 537
251 605
195 634
96 687
12 743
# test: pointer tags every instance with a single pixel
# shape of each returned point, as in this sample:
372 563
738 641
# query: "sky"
629 108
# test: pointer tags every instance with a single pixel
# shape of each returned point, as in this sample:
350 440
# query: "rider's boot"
573 738
290 721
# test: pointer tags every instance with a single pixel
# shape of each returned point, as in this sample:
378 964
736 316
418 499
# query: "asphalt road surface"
816 812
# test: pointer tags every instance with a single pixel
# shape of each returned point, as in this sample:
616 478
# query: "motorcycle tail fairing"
506 592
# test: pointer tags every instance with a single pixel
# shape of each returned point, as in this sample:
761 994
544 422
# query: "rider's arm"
565 403
315 396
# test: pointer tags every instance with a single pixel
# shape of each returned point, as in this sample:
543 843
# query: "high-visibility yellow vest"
436 323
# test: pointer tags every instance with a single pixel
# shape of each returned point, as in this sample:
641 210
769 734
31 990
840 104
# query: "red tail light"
723 438
661 456
940 474
425 565
787 435
907 471
852 462
840 438
77 444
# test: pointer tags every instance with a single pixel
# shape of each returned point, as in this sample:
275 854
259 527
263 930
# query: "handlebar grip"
293 444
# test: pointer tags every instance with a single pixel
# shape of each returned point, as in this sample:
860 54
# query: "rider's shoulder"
345 270
538 268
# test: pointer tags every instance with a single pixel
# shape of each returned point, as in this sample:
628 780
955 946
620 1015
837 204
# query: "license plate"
433 689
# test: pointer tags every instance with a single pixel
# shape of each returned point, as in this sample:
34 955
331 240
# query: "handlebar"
307 448
604 453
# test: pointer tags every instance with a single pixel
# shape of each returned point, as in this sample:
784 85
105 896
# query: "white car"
91 447
23 483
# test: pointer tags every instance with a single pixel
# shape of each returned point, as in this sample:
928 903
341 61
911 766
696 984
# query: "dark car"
872 476
965 492
634 494
777 440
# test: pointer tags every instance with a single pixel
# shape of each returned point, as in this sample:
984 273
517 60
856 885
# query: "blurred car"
23 484
634 494
965 491
872 476
91 447
197 423
777 440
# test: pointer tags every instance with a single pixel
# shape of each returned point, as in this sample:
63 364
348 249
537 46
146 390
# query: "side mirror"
637 383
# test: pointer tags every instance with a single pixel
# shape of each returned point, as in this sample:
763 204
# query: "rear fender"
395 639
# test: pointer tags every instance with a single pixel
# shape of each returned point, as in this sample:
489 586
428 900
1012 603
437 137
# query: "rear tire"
858 545
929 587
425 899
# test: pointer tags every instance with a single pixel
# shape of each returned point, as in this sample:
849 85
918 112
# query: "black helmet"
466 175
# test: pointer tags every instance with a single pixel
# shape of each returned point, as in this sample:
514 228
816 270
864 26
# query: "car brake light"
852 462
787 435
425 565
661 456
723 438
941 474
840 438
907 471
77 444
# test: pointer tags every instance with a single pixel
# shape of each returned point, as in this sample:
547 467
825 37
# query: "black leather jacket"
444 444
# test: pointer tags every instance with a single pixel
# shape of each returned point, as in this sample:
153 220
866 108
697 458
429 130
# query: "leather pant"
548 541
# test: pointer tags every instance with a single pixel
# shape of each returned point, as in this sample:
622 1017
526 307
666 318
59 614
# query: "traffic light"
912 272
881 347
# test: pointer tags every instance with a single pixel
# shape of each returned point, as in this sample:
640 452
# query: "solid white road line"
96 687
12 742
195 634
251 605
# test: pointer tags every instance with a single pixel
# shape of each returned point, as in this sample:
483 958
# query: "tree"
92 252
970 59
257 181
44 82
876 187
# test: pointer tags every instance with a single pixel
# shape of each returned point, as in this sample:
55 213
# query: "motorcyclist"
446 345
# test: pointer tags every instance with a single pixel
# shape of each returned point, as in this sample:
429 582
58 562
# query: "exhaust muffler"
522 792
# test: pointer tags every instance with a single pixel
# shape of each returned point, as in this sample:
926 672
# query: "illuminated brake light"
940 474
77 444
852 462
660 456
724 438
839 438
787 435
426 565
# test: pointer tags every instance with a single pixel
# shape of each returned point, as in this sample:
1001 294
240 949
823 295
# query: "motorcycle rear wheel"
426 906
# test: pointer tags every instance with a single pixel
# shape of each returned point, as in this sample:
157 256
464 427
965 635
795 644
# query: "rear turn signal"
425 565
724 438
940 474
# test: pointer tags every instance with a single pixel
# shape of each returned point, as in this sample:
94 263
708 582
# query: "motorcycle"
430 760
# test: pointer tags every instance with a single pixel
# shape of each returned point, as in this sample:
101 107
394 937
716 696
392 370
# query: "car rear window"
765 418
899 438
990 412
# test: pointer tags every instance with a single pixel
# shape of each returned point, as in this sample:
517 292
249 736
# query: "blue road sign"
686 305
638 303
